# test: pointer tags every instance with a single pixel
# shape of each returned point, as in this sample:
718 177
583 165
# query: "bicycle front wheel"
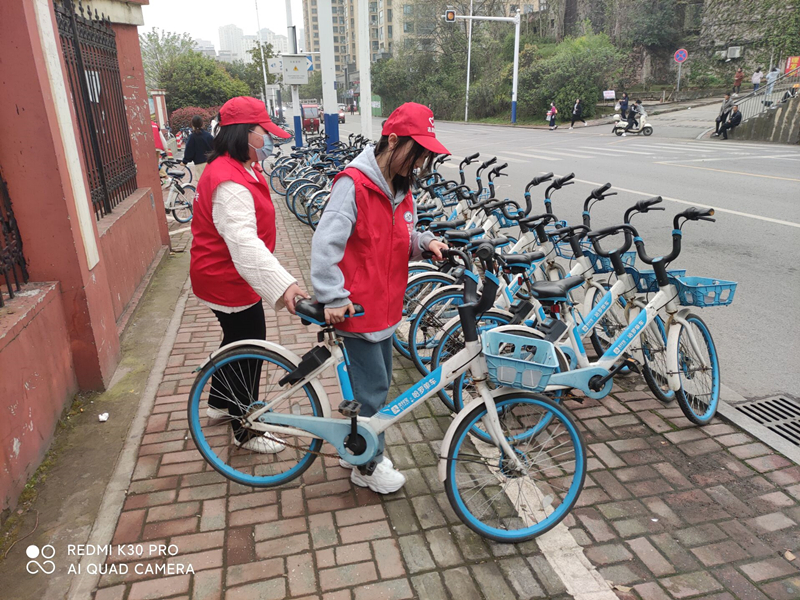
238 382
698 369
653 341
496 498
183 208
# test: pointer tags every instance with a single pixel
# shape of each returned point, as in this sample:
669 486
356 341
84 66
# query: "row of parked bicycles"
525 312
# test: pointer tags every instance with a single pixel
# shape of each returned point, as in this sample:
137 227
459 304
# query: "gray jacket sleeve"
328 244
419 241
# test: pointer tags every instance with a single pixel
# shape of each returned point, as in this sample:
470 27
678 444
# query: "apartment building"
231 42
340 26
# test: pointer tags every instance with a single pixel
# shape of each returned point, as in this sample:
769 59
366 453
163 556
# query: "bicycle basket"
447 199
517 361
646 280
703 291
602 264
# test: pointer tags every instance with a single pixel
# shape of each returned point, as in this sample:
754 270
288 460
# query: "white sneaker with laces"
263 444
216 413
384 479
346 465
624 134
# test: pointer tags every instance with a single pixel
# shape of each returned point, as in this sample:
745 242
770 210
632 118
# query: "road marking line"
671 148
527 155
616 150
726 171
679 201
571 155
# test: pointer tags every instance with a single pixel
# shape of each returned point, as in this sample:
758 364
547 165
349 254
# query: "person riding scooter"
635 113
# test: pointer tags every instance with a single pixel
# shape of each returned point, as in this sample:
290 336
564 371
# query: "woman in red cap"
232 264
360 253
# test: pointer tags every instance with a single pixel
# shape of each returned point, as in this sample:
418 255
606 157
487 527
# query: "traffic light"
450 15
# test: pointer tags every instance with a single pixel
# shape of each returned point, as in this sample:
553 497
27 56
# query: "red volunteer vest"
375 263
157 137
214 277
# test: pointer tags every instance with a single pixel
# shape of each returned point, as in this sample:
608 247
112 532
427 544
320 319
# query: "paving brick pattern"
669 511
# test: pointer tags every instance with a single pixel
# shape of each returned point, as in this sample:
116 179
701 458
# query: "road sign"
275 65
450 16
681 55
295 69
310 66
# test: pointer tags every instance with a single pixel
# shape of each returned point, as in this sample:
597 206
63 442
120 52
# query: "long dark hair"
197 123
404 178
232 141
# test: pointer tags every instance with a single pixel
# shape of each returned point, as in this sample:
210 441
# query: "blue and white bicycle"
512 485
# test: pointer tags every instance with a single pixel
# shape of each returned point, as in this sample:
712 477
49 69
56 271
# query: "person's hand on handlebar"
436 246
290 297
337 315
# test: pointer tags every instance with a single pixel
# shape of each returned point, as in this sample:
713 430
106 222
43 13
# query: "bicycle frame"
336 430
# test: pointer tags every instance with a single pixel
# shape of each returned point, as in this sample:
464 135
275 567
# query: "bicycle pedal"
368 469
350 408
632 365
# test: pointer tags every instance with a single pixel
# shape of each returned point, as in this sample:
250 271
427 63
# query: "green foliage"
313 89
193 79
784 33
580 68
653 23
159 50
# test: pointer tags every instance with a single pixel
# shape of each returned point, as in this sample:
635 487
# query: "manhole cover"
780 415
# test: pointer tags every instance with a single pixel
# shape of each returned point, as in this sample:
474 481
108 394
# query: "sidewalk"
669 510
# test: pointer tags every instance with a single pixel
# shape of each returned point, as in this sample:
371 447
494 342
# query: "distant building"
205 48
226 56
280 43
250 42
231 40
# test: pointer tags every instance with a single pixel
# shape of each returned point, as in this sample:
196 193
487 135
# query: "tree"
196 80
159 50
313 89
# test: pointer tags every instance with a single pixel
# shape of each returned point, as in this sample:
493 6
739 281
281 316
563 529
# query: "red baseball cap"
415 120
244 109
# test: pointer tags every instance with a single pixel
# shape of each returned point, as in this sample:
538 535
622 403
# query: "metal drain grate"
780 415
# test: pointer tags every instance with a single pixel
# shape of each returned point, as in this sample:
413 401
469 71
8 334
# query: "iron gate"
90 52
12 262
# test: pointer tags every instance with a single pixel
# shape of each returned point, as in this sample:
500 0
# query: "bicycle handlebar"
643 206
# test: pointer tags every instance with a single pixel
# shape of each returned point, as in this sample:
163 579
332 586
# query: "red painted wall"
35 386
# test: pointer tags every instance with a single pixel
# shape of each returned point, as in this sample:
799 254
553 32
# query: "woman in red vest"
232 264
360 253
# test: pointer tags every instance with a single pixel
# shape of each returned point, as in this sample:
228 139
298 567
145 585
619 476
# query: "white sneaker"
570 127
216 413
384 480
346 465
264 444
585 124
624 134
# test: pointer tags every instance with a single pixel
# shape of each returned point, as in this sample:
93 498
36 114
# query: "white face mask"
266 150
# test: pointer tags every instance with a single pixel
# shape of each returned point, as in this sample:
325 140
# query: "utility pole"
328 66
298 121
364 68
469 63
261 54
450 16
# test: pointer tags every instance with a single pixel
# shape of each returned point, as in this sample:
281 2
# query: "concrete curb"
116 491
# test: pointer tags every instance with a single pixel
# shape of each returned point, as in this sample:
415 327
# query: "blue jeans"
370 375
756 86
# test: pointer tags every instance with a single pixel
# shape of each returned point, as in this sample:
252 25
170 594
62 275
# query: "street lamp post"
450 16
261 54
469 62
298 121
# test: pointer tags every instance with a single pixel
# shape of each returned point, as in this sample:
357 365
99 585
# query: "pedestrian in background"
756 79
771 77
352 108
198 147
737 80
623 106
577 112
551 115
724 111
733 121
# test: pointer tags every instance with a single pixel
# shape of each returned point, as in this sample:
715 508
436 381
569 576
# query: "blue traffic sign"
681 55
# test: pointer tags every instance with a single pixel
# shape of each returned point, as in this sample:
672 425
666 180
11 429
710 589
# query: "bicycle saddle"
310 311
463 234
439 226
555 291
426 207
523 259
176 174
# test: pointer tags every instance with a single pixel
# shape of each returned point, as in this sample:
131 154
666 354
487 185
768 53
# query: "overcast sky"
202 18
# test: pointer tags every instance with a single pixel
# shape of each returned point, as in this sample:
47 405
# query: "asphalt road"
755 188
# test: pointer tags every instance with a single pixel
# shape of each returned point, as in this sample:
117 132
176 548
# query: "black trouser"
576 118
736 88
721 121
726 127
236 385
631 121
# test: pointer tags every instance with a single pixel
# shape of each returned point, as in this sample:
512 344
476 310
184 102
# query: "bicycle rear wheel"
419 287
250 373
504 503
184 204
653 341
315 206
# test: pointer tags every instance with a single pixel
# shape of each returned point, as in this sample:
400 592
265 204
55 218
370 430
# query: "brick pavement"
669 511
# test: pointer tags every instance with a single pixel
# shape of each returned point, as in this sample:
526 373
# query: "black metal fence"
12 262
89 46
